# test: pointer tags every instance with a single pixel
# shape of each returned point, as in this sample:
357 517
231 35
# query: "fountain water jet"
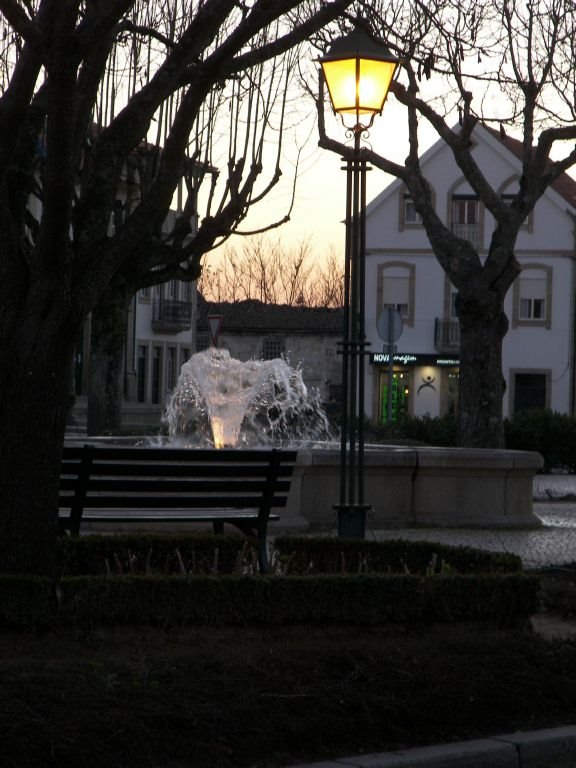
221 401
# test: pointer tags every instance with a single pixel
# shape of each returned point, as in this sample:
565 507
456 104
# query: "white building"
160 334
402 272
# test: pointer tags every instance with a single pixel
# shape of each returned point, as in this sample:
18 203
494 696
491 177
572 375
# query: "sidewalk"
551 748
553 544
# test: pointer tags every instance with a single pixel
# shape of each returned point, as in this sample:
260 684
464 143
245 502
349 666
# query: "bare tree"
510 66
59 180
228 137
269 272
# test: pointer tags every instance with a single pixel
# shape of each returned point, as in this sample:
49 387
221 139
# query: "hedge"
551 434
547 432
85 602
201 579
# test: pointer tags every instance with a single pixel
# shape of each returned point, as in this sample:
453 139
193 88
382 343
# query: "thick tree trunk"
483 326
33 404
108 336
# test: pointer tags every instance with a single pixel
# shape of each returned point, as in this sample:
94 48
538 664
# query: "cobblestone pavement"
552 544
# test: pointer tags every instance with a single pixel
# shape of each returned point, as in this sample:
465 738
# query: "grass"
240 698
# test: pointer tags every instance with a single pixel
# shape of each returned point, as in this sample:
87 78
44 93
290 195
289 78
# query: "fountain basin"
421 486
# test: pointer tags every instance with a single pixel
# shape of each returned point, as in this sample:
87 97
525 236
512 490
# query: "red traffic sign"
214 326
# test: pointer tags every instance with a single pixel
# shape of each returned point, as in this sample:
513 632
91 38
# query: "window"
170 368
411 215
464 210
396 289
466 218
408 216
531 296
508 192
396 294
529 391
141 372
272 347
454 304
171 290
527 224
156 361
532 309
186 291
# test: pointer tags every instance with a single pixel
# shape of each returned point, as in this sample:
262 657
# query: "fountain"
223 402
219 401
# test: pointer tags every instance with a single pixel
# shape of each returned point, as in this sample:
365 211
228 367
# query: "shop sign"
412 359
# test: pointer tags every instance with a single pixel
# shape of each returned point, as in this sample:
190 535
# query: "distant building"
305 336
402 272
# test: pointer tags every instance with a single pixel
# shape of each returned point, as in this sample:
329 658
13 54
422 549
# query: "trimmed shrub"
28 602
319 580
551 434
323 554
426 430
170 601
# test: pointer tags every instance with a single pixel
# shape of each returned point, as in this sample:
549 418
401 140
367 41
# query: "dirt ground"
239 698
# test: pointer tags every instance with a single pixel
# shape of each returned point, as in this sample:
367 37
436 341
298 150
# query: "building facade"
403 275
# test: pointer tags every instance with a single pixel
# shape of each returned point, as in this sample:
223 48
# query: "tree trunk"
483 326
108 336
33 405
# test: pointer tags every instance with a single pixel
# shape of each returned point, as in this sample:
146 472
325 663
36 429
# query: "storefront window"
400 396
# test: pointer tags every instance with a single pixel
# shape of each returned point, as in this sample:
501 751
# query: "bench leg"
252 532
263 555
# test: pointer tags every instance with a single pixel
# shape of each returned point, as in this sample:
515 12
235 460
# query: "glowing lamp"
358 73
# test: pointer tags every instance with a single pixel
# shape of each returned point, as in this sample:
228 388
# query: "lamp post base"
352 520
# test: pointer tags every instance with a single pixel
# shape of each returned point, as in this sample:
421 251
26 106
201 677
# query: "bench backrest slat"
147 478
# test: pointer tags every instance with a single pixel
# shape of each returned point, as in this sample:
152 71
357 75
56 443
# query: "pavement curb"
548 748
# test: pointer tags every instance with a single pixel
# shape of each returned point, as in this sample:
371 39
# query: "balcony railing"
171 316
470 232
446 334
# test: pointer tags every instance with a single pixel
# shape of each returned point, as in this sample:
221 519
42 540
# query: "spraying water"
224 402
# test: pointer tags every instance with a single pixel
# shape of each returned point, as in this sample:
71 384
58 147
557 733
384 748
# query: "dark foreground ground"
270 698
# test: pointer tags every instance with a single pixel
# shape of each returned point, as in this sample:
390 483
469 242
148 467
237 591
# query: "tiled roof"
253 316
564 185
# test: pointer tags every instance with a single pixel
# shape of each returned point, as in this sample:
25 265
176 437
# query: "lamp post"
358 73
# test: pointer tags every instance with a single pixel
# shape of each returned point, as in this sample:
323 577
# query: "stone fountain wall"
414 486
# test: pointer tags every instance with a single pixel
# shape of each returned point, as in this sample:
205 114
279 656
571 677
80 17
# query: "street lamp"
358 72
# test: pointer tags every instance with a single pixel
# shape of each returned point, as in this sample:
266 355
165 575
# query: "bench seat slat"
220 516
176 502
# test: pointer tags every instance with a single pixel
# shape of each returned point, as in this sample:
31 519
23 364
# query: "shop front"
415 385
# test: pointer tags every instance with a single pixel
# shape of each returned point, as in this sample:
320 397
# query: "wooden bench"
135 485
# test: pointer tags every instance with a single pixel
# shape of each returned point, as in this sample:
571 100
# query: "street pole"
352 508
358 71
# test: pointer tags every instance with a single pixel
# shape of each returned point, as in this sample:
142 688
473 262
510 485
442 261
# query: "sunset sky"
319 207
